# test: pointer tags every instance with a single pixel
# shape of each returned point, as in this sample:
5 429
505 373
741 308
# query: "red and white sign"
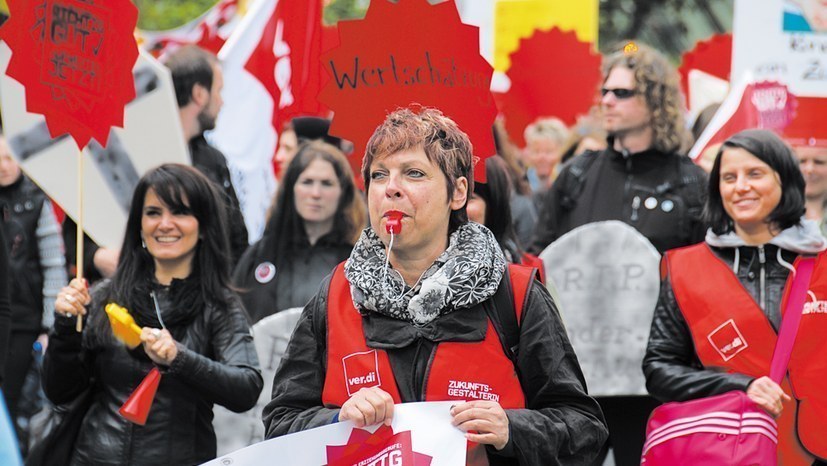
786 41
271 74
766 105
541 87
421 434
75 60
404 54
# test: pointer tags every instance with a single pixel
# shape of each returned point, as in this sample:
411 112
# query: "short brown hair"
438 136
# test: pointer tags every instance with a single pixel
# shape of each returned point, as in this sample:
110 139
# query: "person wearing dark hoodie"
723 298
317 217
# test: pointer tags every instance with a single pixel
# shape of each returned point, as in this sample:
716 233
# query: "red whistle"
393 222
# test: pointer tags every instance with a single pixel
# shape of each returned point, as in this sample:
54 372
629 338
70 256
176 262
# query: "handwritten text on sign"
440 72
74 39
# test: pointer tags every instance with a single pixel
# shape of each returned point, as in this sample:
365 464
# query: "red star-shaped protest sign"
75 59
408 53
712 56
552 74
379 448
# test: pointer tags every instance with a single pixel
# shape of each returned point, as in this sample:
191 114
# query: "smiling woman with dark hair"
173 279
734 285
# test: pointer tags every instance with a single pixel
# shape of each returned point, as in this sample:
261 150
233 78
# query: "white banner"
421 434
783 40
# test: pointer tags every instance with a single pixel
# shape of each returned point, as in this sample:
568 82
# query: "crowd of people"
427 271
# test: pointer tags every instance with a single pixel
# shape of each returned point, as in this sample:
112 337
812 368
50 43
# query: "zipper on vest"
762 259
635 208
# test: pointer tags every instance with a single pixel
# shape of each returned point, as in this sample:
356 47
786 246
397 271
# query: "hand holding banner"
421 435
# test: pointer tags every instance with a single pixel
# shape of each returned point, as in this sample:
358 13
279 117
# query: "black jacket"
216 363
21 204
561 424
672 369
5 305
212 163
295 281
660 195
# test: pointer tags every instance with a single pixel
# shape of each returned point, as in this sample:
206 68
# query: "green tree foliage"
672 26
159 15
338 10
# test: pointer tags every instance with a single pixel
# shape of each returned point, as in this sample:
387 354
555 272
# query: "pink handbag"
727 429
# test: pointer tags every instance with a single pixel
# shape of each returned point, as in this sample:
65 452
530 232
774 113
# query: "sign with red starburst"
712 56
382 447
408 53
75 59
552 74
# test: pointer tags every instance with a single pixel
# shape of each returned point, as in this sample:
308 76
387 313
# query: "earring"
143 243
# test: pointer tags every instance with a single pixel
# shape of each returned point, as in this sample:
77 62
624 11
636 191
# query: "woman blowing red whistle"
409 317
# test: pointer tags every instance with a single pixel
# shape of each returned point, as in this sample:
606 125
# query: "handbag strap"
791 319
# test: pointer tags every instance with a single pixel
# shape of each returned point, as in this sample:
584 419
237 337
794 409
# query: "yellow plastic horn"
123 325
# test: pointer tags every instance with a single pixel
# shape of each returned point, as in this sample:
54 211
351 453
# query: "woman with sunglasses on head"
316 219
735 284
173 279
422 291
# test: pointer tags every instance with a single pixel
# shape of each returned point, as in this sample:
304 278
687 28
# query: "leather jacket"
672 369
659 194
216 363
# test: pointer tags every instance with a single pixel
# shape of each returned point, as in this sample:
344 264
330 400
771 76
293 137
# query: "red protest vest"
731 333
453 375
808 364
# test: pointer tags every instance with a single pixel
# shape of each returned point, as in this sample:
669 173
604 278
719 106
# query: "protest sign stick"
79 241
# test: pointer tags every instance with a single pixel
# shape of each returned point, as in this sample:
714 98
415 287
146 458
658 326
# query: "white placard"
429 424
782 40
271 336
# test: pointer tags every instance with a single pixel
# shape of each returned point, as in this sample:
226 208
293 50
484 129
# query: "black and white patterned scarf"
465 274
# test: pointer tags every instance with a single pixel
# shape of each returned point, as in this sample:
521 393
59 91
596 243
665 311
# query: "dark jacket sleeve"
562 424
67 367
233 379
696 192
5 305
672 369
546 230
299 380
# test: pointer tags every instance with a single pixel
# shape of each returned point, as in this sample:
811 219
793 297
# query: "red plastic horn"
137 406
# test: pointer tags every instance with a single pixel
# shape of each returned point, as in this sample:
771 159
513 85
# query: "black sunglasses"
619 93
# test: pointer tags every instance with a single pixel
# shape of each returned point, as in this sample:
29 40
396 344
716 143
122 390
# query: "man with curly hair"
642 178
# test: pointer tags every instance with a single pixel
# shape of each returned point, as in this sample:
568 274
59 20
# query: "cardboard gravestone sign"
238 430
404 54
607 276
151 136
